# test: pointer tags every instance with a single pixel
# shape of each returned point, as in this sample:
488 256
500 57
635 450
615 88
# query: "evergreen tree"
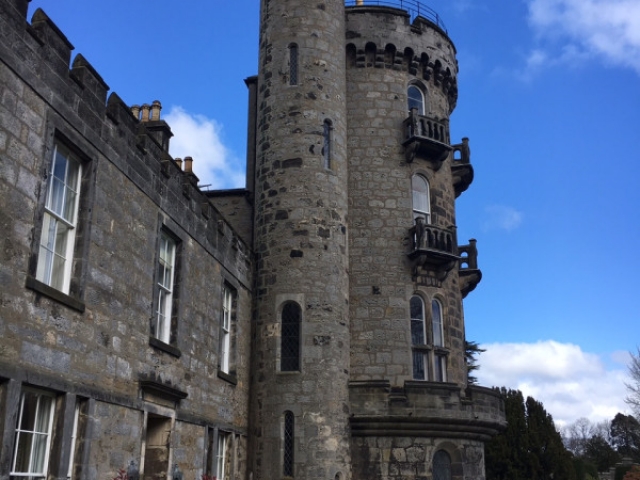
471 352
530 448
599 453
625 436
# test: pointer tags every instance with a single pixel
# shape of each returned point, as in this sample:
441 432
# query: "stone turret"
301 361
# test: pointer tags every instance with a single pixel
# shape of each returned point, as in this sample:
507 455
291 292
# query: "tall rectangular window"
221 455
326 143
290 338
33 435
55 255
288 446
225 328
293 64
165 287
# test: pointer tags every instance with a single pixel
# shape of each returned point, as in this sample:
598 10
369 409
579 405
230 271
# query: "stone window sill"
165 347
54 294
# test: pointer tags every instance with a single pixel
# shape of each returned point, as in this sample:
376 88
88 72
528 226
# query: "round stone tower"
413 416
300 413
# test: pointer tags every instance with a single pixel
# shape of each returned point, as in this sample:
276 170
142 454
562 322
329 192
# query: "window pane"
421 204
419 364
436 315
290 341
440 368
415 99
287 467
417 321
441 466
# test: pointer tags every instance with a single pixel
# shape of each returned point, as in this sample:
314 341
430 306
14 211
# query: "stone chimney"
150 115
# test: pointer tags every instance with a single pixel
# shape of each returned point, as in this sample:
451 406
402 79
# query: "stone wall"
96 343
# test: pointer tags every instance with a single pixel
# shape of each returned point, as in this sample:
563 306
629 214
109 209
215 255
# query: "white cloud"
569 382
501 217
574 30
200 137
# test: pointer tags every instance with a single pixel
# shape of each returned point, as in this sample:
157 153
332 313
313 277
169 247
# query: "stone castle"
308 326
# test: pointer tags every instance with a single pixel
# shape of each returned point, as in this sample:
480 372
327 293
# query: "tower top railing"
413 7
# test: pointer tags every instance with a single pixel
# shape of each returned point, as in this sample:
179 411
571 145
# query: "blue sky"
550 98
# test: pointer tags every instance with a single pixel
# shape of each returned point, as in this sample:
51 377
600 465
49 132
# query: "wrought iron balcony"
469 273
413 7
461 168
426 138
433 248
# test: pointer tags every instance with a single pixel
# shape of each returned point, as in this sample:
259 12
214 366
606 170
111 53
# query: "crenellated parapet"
134 139
385 37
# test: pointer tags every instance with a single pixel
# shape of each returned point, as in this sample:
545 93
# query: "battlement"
135 140
385 37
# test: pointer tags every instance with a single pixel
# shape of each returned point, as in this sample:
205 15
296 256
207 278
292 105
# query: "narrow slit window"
288 447
290 338
418 338
293 64
327 134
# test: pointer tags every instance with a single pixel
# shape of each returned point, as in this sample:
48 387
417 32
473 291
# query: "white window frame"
165 286
413 101
225 330
437 328
437 323
74 437
221 454
420 197
57 239
417 352
42 432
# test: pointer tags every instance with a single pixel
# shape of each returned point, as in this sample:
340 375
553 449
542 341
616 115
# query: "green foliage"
625 436
621 471
600 454
471 352
530 448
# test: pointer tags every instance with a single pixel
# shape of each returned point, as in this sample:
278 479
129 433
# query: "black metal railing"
413 7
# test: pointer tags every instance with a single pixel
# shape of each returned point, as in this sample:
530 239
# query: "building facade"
307 326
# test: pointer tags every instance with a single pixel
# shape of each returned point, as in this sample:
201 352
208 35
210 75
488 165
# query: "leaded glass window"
287 461
290 338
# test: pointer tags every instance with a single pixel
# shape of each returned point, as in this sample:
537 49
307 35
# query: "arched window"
418 338
326 143
293 64
441 466
288 444
415 99
290 338
421 204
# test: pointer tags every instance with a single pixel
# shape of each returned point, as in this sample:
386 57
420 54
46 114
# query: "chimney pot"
135 111
188 164
156 106
145 112
179 163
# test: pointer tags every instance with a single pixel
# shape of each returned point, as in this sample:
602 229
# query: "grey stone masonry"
95 343
300 234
